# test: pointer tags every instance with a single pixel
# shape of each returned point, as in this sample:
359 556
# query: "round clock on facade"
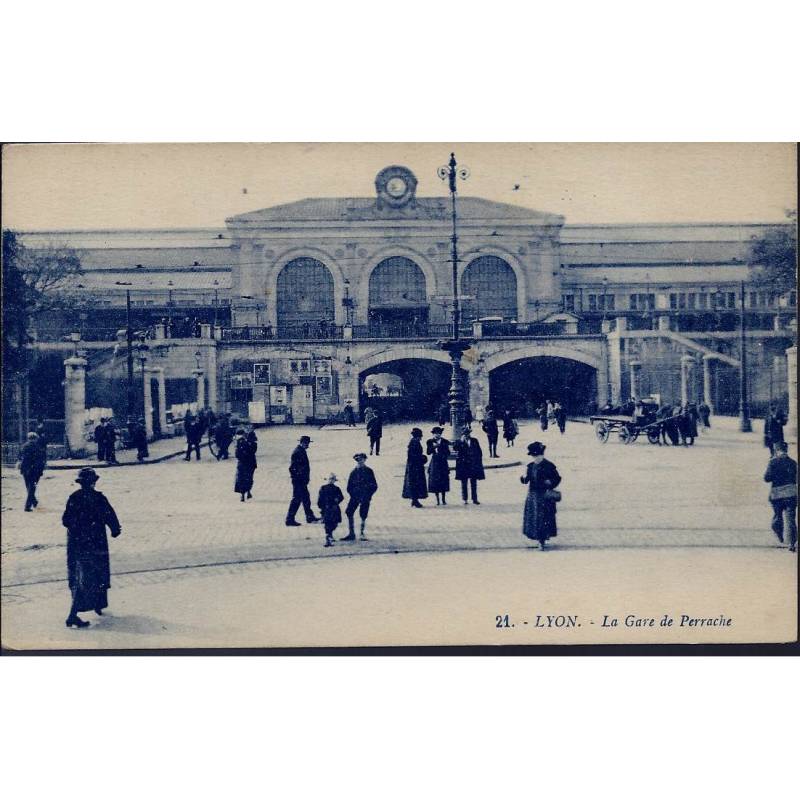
396 186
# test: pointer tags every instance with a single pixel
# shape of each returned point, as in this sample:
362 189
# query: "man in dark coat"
773 428
782 475
561 417
246 465
139 439
469 465
415 487
100 439
223 436
349 415
300 473
539 519
110 437
329 499
375 432
194 434
705 414
361 485
86 517
492 432
32 462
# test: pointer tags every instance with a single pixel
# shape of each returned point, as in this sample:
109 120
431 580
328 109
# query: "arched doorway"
524 384
305 297
398 295
423 385
491 281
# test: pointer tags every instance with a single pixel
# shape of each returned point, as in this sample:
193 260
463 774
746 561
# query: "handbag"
552 494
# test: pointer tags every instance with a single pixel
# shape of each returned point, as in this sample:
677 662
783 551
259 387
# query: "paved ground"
675 521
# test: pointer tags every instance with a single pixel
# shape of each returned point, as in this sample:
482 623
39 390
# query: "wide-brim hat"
305 440
357 456
416 432
536 449
87 475
437 429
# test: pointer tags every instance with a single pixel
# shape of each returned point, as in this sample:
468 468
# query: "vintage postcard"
353 395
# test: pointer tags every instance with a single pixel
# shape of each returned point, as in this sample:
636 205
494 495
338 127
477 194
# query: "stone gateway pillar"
158 374
635 368
707 383
75 404
791 368
687 362
147 402
199 376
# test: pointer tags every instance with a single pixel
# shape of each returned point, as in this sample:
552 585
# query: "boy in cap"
361 485
329 500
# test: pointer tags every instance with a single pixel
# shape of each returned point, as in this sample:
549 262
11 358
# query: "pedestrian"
375 432
543 417
687 428
782 474
223 436
469 465
110 437
443 414
672 427
480 414
139 440
369 413
329 499
86 517
246 465
510 429
250 435
539 518
705 414
100 439
194 435
300 473
492 433
32 462
438 448
414 483
773 428
561 418
349 416
361 486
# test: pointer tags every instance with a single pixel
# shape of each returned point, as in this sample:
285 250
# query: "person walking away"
492 433
349 416
561 418
539 517
139 440
438 450
543 417
111 442
414 483
773 428
782 475
361 486
86 517
246 465
32 462
300 474
194 435
510 429
686 427
705 414
223 436
469 465
329 499
100 439
375 432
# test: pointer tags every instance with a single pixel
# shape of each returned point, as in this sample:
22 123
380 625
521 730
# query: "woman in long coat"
414 484
86 516
246 465
438 449
539 519
509 428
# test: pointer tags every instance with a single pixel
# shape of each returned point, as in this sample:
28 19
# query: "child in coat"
329 500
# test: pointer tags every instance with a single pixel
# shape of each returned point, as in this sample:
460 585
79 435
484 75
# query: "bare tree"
773 256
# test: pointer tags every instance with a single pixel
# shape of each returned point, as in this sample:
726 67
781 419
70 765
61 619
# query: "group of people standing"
491 428
552 412
105 436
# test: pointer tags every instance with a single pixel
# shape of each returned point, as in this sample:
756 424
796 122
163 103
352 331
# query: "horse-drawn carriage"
629 422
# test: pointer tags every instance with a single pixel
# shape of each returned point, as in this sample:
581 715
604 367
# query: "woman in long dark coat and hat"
539 520
246 464
438 448
86 517
415 487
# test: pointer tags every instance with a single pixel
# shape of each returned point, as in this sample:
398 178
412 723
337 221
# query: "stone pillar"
147 402
687 362
707 398
664 322
205 330
217 332
477 330
791 385
75 404
635 368
158 374
159 331
609 378
199 376
776 322
698 379
622 324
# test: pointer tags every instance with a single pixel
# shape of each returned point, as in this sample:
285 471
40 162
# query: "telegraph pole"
745 425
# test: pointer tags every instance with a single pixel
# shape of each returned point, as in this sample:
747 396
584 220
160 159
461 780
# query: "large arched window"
397 291
493 285
305 293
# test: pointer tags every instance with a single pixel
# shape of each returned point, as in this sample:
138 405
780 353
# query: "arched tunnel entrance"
523 385
406 388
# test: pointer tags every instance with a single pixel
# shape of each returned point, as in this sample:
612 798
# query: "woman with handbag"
539 519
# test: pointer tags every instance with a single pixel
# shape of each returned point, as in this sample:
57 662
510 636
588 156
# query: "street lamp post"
216 300
129 341
745 425
141 354
455 346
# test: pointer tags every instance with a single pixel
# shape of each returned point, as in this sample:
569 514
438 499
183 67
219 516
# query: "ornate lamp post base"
455 348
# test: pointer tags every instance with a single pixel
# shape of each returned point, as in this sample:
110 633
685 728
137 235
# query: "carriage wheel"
601 431
626 435
653 436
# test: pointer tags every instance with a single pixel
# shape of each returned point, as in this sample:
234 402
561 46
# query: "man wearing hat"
32 462
139 439
782 475
300 473
86 517
469 465
361 485
329 499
